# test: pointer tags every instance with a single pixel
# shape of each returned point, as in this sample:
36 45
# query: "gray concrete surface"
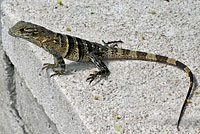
147 97
8 122
20 112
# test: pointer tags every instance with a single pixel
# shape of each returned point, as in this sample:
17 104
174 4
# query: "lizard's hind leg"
103 70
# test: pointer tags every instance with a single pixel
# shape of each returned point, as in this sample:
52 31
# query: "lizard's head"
23 29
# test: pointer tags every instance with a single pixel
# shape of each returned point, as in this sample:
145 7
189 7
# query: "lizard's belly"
77 57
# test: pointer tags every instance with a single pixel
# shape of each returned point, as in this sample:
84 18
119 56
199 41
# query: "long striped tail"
118 53
189 73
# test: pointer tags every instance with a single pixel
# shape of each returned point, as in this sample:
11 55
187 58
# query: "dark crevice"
11 86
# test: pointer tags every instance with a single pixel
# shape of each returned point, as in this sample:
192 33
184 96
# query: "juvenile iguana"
73 48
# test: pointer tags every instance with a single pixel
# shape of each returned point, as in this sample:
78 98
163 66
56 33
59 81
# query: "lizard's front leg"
103 70
58 62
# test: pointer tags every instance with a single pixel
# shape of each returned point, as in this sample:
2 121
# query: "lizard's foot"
61 72
53 66
111 42
92 76
103 73
48 66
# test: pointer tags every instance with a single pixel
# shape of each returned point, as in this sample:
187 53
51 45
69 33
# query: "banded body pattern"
73 48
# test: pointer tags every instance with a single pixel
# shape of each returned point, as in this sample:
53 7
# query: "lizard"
76 49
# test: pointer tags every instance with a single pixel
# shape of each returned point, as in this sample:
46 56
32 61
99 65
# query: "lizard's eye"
21 29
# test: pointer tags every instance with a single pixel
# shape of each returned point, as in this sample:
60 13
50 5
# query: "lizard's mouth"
10 32
14 34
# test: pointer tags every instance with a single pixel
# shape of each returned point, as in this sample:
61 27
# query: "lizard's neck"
35 41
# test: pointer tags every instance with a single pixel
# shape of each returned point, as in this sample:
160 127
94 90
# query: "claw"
102 73
111 42
45 64
90 81
52 66
54 75
48 66
92 77
57 73
44 67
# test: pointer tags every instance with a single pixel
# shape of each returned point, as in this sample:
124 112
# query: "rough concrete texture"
138 97
8 123
16 116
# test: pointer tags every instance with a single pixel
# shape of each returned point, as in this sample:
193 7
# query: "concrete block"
8 122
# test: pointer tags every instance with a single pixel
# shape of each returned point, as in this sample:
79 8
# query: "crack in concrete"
12 91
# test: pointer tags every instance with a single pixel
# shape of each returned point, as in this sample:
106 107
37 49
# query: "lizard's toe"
57 73
48 66
92 77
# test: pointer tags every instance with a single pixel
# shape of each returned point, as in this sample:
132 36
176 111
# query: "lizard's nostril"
10 32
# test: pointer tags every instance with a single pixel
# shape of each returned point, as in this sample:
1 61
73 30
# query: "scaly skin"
72 48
